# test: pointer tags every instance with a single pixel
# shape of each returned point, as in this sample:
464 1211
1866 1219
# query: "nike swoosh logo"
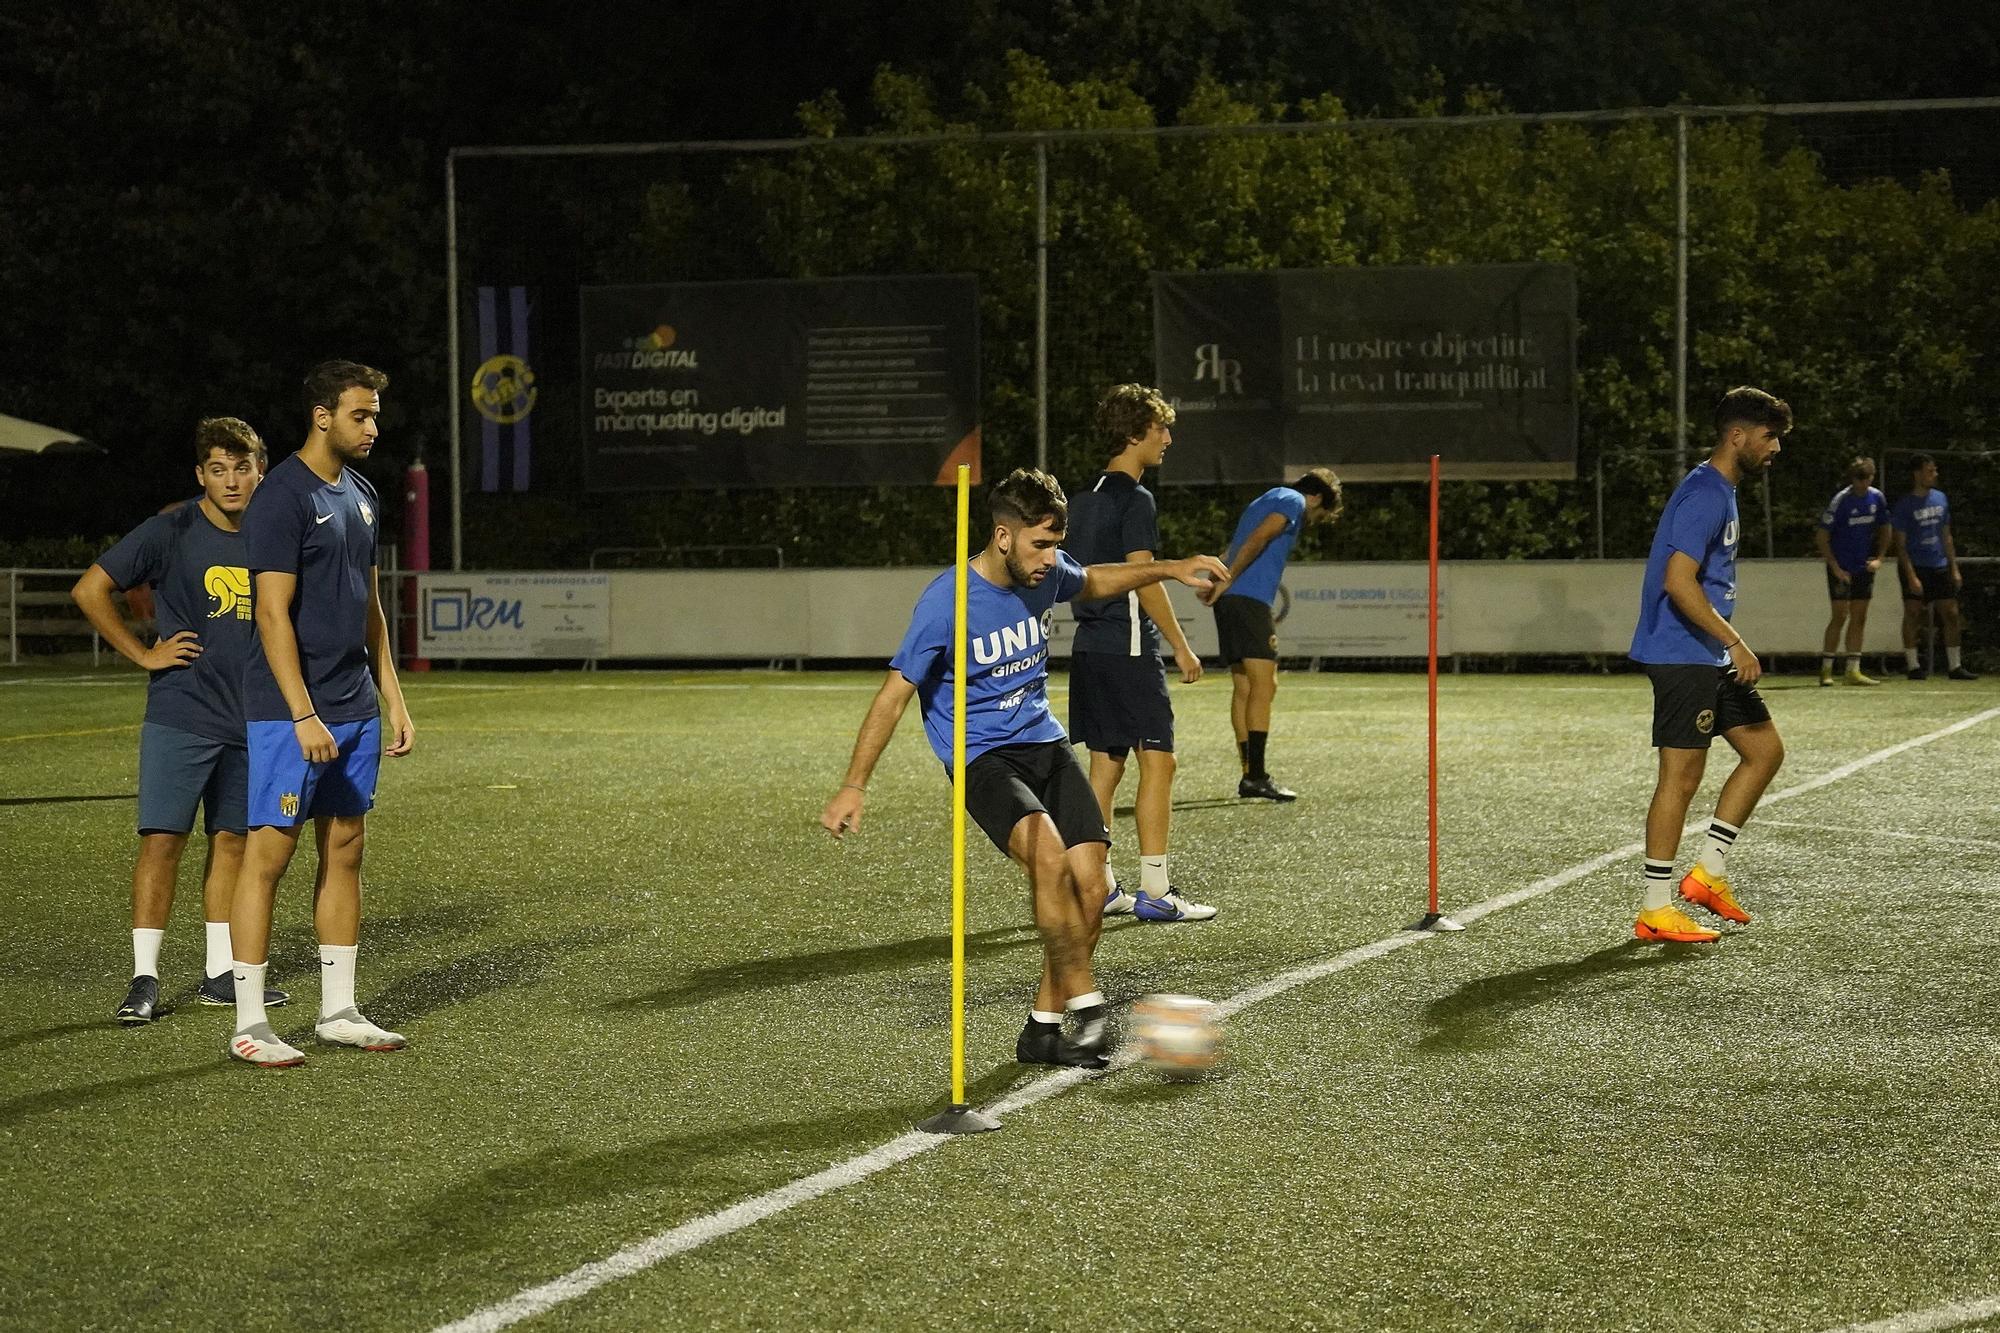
326 962
323 518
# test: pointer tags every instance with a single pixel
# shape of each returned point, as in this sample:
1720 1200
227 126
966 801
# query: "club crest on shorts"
288 804
1704 722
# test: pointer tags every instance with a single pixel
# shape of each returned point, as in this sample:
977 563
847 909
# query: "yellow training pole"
959 1119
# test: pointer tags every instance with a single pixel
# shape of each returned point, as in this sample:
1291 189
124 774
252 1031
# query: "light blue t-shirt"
1922 520
1260 580
1850 521
1006 690
1700 522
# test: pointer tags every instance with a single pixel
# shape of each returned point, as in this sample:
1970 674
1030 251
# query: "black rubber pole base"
959 1119
1436 922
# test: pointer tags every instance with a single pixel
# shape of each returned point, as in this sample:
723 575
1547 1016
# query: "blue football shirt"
1922 520
1850 521
200 582
1006 690
1106 523
1700 522
1260 580
324 533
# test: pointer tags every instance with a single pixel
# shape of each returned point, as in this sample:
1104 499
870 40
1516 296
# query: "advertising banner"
837 382
1369 371
522 615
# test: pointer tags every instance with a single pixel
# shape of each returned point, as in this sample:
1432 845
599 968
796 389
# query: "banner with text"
515 615
1369 371
837 382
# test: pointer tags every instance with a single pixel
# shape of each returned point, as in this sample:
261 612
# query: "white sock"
146 951
1854 664
1087 1000
249 994
218 948
1044 1016
1153 876
1951 658
1910 658
336 978
1659 885
1091 1030
1721 837
1110 878
1825 665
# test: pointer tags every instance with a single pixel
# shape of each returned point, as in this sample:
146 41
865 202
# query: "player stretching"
1244 629
1117 684
1852 537
1023 786
1704 676
191 744
315 738
1927 559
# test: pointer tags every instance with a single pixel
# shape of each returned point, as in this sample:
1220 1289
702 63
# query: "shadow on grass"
1216 803
17 1109
469 976
65 800
505 1207
1471 1017
16 1039
711 983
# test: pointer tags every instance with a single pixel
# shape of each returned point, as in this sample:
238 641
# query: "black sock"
1253 755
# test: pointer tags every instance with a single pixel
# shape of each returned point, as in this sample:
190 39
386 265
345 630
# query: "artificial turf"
642 985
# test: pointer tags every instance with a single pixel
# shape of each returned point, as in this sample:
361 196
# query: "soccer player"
1704 675
1117 684
1244 629
1928 561
315 737
191 742
1023 785
1852 537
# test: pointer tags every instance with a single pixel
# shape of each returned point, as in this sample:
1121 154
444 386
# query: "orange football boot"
1671 925
1712 892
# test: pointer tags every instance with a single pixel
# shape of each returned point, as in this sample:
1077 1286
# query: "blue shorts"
285 790
179 770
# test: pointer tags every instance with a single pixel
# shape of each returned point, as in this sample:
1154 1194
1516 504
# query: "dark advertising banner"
842 382
1369 371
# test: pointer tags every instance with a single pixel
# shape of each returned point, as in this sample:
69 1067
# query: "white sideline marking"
1987 843
644 1254
1922 1321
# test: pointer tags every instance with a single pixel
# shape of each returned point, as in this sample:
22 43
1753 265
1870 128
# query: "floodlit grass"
641 985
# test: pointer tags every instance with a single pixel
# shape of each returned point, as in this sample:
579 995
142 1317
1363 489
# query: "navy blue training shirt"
325 534
1107 523
201 583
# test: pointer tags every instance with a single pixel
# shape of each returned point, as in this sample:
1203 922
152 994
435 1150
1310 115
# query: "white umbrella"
28 437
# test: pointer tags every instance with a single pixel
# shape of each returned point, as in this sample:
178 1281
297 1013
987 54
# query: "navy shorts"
1244 629
1693 704
1006 785
286 790
179 770
1937 586
1118 703
1858 588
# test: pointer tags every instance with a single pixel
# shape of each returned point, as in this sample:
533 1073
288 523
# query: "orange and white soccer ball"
1176 1036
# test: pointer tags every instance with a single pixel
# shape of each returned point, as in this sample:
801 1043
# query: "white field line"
86 681
1988 844
663 1245
1923 1321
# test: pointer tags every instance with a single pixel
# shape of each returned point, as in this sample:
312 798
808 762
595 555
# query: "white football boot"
349 1028
259 1044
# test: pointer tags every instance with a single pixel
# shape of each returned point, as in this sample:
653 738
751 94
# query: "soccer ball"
1176 1036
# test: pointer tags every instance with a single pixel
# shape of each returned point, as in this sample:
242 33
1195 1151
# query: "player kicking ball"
1023 785
1704 675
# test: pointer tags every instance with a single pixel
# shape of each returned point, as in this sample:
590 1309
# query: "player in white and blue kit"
1853 536
1704 675
191 743
1024 787
1927 559
309 687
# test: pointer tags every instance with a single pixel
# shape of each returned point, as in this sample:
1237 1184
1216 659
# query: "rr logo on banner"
503 389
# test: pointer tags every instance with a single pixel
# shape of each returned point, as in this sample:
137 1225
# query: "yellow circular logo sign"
503 389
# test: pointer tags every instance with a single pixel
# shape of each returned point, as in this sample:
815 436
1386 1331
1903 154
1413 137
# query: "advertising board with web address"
514 615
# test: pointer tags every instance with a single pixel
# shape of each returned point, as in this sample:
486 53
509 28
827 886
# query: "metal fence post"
1042 304
1680 293
451 342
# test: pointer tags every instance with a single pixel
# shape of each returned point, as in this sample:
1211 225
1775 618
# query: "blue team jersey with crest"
1850 521
324 533
1260 580
1922 520
200 582
1006 688
1700 522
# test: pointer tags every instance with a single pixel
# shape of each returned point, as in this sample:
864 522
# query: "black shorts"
1006 785
1244 629
1119 703
1693 704
1858 588
1937 586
